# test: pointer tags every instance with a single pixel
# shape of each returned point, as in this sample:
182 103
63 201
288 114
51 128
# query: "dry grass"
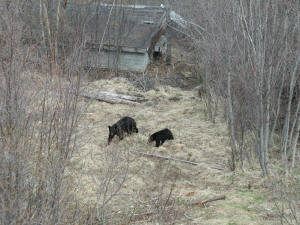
196 139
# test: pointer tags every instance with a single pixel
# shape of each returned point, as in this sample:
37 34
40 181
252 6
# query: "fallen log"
203 202
112 98
122 96
178 160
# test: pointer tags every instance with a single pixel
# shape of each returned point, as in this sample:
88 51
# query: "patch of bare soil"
150 179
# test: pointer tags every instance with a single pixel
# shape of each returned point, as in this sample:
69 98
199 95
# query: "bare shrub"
110 179
143 82
38 138
39 115
286 199
164 203
248 60
161 201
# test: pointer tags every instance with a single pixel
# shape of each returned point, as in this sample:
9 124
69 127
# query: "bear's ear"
109 127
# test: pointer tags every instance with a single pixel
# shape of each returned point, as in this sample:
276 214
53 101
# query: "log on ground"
203 202
113 98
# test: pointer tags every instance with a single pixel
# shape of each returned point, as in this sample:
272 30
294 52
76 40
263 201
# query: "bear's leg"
157 143
121 135
129 128
126 130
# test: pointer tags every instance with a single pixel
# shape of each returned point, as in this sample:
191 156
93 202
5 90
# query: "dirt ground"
198 140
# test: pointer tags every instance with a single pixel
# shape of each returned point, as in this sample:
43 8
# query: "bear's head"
150 139
112 132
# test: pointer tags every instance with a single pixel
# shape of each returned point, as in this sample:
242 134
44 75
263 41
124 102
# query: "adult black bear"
126 124
161 136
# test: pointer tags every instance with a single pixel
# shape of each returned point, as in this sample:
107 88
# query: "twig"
178 160
108 19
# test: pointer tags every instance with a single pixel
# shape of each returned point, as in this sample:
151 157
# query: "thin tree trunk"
169 45
231 122
295 142
208 97
295 132
241 146
63 22
267 123
294 124
106 26
264 84
261 120
58 15
268 89
277 110
42 25
292 130
215 109
286 129
261 126
47 23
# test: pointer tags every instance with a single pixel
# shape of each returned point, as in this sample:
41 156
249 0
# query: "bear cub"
161 136
126 124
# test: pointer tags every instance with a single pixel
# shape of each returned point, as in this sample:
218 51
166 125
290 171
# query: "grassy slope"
196 139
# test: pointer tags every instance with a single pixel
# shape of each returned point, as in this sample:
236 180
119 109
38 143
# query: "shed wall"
129 61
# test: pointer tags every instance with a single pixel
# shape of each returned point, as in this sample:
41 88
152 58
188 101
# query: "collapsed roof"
131 27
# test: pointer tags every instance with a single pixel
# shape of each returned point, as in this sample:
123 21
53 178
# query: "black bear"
161 136
126 124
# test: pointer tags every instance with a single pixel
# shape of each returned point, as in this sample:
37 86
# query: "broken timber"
112 98
203 202
178 160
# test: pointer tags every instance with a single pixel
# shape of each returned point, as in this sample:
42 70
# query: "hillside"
151 179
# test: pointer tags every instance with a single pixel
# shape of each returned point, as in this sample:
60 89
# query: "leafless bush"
248 60
286 199
114 171
143 81
39 115
162 203
38 138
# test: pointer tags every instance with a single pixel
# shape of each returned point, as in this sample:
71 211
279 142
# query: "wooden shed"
122 37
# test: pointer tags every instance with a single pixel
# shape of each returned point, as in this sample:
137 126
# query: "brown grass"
196 139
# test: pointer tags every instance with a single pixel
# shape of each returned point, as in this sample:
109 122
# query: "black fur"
161 136
126 124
